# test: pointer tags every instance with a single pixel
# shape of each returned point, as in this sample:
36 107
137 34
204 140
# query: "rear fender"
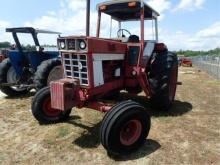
18 61
36 58
160 47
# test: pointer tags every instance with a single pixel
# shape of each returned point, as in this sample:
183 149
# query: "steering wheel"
120 33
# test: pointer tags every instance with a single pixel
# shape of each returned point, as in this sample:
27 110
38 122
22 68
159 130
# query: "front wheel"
124 128
42 110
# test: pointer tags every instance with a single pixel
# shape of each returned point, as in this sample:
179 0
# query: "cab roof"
121 11
29 30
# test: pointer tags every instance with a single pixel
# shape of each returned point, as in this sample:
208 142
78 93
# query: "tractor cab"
133 12
124 11
29 56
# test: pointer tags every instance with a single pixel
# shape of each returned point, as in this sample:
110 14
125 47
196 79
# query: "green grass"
62 132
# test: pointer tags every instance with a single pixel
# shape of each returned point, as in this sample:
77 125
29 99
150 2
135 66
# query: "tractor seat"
133 38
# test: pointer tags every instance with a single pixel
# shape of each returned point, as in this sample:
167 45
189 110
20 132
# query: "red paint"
186 62
63 94
99 106
48 110
107 87
130 132
99 45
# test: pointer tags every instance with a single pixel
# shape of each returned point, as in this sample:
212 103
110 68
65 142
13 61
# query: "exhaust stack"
87 18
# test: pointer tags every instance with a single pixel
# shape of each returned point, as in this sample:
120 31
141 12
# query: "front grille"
71 44
75 66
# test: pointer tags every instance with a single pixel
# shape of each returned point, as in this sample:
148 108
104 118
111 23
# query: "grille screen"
75 66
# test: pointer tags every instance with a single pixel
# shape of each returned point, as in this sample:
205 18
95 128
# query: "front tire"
163 76
8 75
124 128
42 111
47 71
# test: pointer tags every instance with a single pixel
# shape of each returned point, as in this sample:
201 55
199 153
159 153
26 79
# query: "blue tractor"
28 68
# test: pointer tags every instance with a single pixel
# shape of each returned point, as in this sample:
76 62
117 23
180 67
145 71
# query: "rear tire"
163 76
124 128
42 111
47 71
5 70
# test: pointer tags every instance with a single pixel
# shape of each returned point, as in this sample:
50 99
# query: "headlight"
62 45
82 44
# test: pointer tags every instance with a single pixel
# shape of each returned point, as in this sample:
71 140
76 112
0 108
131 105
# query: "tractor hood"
85 44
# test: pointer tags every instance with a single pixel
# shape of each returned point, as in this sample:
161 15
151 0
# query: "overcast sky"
183 24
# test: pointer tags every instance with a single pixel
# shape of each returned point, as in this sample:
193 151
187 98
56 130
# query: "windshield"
109 28
26 41
47 41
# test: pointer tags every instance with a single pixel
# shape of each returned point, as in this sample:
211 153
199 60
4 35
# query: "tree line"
8 45
190 53
5 45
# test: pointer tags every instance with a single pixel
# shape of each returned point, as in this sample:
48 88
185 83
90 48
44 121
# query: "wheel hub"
48 110
130 132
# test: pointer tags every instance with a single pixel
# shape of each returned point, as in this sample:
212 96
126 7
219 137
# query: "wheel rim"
173 81
48 110
12 77
55 74
130 132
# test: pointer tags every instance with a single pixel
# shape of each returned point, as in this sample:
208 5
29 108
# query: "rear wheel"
42 110
163 75
9 75
49 70
124 128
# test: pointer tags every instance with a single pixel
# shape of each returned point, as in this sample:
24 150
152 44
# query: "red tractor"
95 67
186 62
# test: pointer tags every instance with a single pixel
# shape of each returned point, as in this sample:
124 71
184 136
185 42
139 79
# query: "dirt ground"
188 134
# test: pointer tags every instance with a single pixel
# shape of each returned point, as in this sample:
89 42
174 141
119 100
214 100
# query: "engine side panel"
97 45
